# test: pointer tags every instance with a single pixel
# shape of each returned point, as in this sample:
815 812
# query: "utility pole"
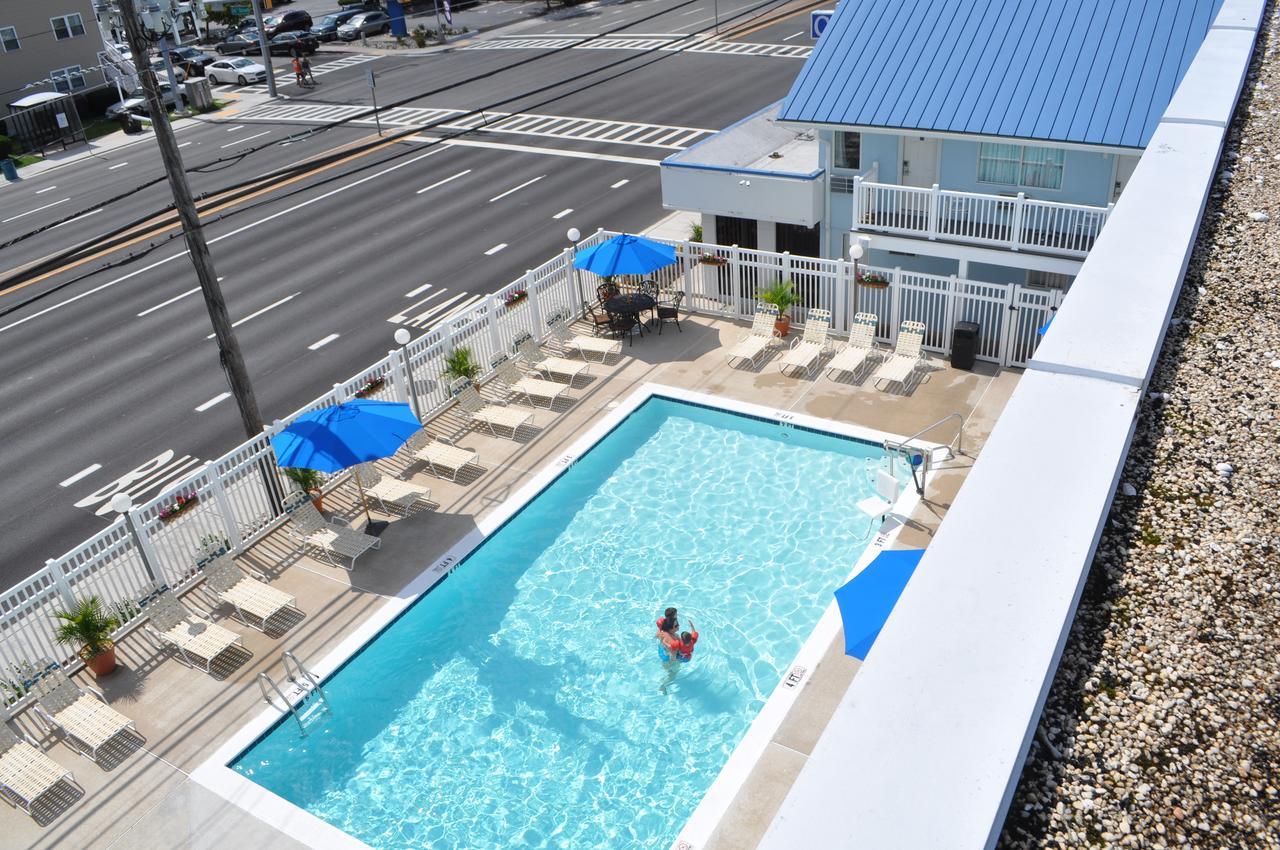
228 349
264 49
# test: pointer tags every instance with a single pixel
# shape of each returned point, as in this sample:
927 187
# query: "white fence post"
147 552
533 299
857 201
60 582
735 275
1015 230
895 305
229 525
495 337
935 198
399 377
839 304
949 314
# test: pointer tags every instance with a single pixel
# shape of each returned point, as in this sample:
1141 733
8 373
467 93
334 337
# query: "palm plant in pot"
461 363
781 294
89 626
309 481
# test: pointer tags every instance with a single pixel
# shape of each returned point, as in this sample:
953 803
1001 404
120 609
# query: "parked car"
157 65
286 43
327 28
296 20
241 70
238 45
193 61
365 23
136 102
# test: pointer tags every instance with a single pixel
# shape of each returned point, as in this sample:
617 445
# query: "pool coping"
215 774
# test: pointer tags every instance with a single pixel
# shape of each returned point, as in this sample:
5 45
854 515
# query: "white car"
136 102
240 71
157 65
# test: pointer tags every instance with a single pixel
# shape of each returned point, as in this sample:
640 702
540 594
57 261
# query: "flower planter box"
516 298
371 387
183 504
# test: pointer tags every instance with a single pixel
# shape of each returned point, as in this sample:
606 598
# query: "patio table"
630 304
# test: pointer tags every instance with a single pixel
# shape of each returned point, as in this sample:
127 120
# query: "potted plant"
89 625
873 280
695 233
781 294
309 481
461 363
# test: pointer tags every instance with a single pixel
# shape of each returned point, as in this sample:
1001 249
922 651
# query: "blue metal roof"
1084 71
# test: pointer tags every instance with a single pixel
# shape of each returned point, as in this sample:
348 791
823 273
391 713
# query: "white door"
919 161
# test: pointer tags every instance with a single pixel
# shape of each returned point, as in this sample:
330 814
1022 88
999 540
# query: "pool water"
522 704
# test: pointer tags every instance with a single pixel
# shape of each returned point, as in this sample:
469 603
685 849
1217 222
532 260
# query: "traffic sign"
818 21
448 12
373 81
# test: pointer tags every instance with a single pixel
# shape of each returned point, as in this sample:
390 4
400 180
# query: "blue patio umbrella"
868 598
625 254
1043 329
336 438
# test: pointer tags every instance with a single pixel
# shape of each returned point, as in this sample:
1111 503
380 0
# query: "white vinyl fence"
235 500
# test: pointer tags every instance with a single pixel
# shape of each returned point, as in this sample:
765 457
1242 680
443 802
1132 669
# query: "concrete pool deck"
142 797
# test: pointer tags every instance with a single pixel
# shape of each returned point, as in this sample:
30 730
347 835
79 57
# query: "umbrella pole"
363 500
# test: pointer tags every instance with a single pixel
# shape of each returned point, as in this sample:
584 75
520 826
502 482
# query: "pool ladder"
304 685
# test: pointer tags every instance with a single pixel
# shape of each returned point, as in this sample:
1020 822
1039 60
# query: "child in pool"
683 651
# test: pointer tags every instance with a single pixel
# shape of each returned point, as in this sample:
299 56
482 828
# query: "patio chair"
520 384
759 337
599 319
907 358
26 773
476 409
625 323
247 596
330 539
81 714
196 641
860 349
584 345
546 364
391 493
439 455
668 310
802 357
605 291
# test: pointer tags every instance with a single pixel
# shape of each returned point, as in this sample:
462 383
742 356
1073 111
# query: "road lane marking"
255 315
421 289
620 184
36 210
151 310
235 232
321 343
244 139
441 183
211 402
512 191
184 144
151 475
495 249
237 127
84 473
794 35
46 189
118 165
77 218
562 213
404 314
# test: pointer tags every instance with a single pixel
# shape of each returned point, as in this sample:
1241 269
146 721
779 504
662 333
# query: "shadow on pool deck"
146 800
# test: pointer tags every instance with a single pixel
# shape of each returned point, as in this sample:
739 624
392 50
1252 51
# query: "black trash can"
9 170
964 345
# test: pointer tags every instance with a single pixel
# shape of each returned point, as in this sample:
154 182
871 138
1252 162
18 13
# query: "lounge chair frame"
908 357
393 494
478 409
756 339
173 625
439 455
330 540
860 348
247 596
519 384
80 713
802 357
26 772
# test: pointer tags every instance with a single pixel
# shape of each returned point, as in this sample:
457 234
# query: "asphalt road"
111 371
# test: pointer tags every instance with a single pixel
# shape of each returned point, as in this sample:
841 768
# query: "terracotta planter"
102 663
317 499
783 326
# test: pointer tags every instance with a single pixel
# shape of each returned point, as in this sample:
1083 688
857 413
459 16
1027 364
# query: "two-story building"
48 46
980 138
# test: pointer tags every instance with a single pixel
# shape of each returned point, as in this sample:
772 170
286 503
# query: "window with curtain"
1020 165
848 150
67 26
68 79
9 39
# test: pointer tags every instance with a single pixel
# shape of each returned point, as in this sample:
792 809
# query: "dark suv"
295 20
326 29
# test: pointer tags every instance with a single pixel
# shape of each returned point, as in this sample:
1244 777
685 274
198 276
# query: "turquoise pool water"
521 703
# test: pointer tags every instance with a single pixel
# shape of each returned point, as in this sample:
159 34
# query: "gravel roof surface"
1163 725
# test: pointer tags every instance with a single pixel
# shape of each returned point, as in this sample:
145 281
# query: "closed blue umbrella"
868 598
625 254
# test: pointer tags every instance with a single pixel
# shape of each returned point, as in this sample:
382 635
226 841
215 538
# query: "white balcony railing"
1014 222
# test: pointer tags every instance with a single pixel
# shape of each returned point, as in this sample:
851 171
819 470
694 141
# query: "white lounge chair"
802 357
492 416
584 345
246 595
548 365
759 337
520 384
907 358
26 773
391 493
81 714
860 349
331 540
196 640
440 456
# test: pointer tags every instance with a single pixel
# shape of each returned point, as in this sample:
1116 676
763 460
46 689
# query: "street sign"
818 21
448 13
373 81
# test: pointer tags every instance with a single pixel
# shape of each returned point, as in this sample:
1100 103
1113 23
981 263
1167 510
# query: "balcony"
1016 222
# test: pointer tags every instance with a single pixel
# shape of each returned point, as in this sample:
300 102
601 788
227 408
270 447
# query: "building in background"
49 46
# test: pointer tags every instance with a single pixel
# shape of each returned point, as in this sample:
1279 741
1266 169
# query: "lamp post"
402 337
855 253
122 504
573 235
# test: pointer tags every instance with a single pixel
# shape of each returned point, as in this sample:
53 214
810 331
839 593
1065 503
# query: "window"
68 79
848 150
9 39
1020 165
67 26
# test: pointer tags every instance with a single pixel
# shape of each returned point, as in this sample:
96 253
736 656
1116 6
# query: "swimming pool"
521 702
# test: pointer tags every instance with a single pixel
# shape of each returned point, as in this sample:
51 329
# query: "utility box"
199 94
964 345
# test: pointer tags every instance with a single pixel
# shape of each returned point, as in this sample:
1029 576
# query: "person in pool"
683 650
668 635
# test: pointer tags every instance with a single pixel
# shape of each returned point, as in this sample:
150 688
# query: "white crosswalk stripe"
143 482
527 124
673 43
317 70
437 312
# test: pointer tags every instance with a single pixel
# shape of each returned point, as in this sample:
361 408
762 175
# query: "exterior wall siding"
1086 175
39 52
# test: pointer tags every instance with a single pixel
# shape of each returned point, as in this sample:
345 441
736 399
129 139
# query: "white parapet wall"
926 748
